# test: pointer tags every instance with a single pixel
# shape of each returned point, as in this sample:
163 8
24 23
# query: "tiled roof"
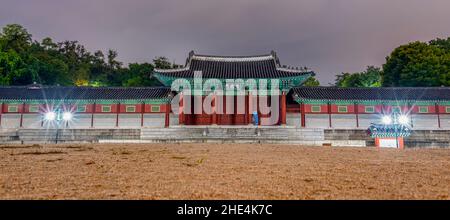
385 93
233 67
35 92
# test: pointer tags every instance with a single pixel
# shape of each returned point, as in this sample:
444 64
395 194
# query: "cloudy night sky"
328 36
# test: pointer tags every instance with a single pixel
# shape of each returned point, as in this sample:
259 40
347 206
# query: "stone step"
241 133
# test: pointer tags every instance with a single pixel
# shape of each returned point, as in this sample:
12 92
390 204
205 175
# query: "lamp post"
394 125
58 117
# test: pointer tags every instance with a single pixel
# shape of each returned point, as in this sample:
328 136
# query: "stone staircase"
233 134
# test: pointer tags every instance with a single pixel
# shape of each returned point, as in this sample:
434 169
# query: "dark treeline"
413 64
24 61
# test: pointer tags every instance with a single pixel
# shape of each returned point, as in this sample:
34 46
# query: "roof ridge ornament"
232 58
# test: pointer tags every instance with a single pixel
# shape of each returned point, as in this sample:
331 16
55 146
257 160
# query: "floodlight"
67 116
387 119
403 119
50 116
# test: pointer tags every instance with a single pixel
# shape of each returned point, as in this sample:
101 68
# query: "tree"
371 77
12 69
162 63
113 64
418 64
140 75
311 81
15 37
441 43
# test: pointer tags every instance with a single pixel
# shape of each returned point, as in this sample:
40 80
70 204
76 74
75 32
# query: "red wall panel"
123 108
431 109
442 109
350 109
323 109
98 108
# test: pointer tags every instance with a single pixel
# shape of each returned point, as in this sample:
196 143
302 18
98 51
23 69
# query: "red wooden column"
21 114
181 109
142 113
257 109
283 108
117 114
245 109
303 114
167 120
1 113
214 107
329 115
250 108
235 109
92 115
357 115
436 106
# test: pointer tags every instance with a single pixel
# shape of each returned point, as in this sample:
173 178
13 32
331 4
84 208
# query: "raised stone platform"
219 134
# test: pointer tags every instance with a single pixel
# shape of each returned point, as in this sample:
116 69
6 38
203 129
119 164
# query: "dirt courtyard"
221 171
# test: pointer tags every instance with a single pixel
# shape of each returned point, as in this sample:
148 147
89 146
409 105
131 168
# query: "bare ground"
221 171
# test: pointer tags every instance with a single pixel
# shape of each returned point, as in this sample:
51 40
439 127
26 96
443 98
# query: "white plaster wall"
50 124
81 121
445 121
129 120
105 120
366 119
31 120
316 120
10 120
293 119
424 122
343 121
174 119
154 120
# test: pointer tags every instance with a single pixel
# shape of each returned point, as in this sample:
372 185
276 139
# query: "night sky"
328 36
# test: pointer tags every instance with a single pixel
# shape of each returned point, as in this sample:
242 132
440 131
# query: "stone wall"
418 138
126 120
218 134
73 135
348 121
81 121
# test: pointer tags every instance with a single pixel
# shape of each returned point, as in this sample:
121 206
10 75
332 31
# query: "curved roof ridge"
186 68
232 58
293 70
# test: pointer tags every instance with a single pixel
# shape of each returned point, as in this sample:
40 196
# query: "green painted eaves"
286 83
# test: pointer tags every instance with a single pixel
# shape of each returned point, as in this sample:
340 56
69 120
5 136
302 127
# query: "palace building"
37 106
222 68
